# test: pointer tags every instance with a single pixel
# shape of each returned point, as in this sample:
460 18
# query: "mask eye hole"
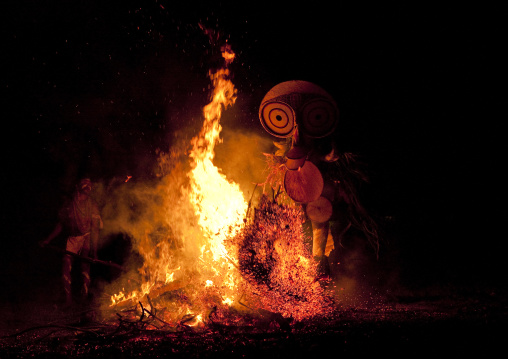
319 117
277 118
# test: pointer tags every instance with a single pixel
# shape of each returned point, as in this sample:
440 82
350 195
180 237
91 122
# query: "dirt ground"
440 321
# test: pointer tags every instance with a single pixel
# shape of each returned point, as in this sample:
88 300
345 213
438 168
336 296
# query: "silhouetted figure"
80 220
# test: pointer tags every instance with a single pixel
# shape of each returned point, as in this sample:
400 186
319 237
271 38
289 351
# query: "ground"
429 321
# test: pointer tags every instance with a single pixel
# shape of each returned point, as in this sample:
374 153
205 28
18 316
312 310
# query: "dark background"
95 87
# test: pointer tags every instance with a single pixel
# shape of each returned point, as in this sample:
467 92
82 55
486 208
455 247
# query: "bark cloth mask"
298 107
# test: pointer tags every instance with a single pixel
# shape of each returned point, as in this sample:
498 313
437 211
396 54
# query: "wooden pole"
88 259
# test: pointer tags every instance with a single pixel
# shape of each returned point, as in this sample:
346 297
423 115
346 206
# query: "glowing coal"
277 266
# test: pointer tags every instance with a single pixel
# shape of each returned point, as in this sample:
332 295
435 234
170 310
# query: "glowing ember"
277 266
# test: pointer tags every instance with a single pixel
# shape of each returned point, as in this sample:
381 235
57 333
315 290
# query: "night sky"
96 87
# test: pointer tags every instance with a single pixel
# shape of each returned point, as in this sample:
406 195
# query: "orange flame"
218 202
219 208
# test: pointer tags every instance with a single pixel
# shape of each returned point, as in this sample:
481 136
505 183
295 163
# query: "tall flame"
218 206
218 202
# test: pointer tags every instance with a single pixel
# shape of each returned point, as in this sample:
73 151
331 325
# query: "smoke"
240 156
148 208
139 206
154 212
360 279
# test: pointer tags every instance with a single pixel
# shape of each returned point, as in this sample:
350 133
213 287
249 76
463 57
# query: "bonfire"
209 259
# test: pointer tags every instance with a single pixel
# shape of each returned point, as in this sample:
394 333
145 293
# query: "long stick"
88 259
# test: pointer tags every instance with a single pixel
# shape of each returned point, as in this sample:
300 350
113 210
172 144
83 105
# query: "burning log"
169 287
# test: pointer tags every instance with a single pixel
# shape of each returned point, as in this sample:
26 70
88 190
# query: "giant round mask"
298 104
